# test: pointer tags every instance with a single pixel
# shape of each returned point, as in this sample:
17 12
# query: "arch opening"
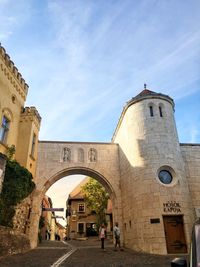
79 171
80 220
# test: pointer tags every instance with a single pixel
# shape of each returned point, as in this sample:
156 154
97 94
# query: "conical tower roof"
144 94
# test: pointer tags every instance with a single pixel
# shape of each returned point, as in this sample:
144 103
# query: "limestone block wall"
147 144
59 159
12 242
191 156
21 218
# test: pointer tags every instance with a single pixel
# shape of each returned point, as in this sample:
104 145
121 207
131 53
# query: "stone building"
47 219
19 125
51 230
152 179
19 128
81 222
60 231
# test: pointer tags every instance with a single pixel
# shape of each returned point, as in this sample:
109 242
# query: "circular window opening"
165 177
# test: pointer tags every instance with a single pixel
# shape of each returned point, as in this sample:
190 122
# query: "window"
4 129
80 227
151 110
81 207
33 145
160 111
165 177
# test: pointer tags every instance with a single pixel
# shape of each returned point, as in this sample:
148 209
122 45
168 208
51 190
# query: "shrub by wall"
17 185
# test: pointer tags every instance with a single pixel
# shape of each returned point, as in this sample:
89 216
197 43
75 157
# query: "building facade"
46 231
19 125
19 129
81 221
152 179
162 185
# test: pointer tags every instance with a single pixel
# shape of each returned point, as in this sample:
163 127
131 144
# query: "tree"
96 199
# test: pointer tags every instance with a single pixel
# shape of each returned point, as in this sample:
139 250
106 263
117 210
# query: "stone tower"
27 143
152 170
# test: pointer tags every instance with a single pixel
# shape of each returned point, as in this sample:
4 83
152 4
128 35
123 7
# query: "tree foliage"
96 199
17 185
10 152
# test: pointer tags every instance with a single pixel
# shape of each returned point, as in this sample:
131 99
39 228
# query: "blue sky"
84 59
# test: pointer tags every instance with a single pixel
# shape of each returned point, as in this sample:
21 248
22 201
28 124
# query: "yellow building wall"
79 217
22 124
13 91
28 127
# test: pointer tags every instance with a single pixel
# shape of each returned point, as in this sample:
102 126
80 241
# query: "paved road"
83 254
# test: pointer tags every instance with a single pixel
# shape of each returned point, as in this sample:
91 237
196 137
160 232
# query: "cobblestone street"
83 254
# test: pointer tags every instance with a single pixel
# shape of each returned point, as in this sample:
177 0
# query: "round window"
165 177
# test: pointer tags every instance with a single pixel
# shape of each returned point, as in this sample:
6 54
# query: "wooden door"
174 234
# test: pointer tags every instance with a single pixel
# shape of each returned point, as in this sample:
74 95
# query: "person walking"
102 235
116 231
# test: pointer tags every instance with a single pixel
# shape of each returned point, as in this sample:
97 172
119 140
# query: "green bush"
17 185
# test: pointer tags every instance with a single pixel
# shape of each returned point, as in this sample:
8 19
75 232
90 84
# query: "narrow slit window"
4 129
151 111
160 111
33 145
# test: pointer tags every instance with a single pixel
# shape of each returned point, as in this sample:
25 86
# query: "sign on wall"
172 207
53 209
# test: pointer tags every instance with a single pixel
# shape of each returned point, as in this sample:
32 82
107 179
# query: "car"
194 255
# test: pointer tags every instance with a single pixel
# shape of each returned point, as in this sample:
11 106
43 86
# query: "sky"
84 59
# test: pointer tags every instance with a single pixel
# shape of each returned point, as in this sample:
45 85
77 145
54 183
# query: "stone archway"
60 159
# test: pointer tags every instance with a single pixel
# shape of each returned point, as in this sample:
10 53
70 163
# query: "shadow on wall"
12 242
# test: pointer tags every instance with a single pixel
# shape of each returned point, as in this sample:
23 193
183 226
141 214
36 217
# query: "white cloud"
60 191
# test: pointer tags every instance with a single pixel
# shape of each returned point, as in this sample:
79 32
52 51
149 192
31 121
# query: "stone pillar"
32 230
2 169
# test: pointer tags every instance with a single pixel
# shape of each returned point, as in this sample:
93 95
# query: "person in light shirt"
116 231
102 235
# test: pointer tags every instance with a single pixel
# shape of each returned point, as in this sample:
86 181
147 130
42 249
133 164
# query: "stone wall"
148 144
59 159
191 155
22 214
12 242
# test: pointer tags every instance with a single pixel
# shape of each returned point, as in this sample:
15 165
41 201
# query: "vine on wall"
17 185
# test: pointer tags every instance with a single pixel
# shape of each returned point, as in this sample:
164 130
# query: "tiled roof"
77 193
146 92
